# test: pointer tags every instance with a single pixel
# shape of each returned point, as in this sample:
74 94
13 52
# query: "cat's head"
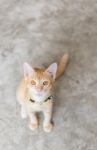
40 81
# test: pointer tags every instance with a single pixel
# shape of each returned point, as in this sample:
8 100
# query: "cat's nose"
39 89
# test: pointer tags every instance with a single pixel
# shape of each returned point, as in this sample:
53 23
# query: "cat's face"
40 81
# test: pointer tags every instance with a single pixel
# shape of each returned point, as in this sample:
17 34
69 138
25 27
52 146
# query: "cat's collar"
49 98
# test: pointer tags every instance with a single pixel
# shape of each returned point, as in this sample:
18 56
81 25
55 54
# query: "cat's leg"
33 124
47 124
23 112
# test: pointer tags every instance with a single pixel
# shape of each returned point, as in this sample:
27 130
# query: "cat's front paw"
23 114
33 126
48 127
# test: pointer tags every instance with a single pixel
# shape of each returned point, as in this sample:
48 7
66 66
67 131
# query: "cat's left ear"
51 70
28 70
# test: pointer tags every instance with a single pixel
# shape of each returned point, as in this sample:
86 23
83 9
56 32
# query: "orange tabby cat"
35 92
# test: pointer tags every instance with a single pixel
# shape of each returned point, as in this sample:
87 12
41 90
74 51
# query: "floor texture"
39 32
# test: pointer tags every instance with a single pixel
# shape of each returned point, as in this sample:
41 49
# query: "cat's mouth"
39 93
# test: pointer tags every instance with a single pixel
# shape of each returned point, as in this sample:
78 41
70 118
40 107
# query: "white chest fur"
37 97
39 106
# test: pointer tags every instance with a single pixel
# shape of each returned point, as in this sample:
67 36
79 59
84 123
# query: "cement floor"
39 32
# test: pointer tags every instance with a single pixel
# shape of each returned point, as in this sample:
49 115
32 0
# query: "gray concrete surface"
40 31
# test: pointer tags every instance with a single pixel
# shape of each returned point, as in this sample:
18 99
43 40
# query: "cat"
35 92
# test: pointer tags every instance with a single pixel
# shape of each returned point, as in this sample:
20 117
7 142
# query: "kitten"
35 92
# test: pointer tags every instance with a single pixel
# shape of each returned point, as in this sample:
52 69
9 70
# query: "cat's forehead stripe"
39 74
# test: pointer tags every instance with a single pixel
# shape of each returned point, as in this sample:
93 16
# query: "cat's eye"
33 82
45 83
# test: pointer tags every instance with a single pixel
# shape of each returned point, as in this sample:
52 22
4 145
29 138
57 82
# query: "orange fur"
62 65
26 91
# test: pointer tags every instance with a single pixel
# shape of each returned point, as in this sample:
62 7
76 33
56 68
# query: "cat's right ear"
27 70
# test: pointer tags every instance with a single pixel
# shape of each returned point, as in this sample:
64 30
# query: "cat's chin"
39 94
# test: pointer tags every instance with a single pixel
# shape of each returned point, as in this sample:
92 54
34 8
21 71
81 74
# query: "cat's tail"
62 64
